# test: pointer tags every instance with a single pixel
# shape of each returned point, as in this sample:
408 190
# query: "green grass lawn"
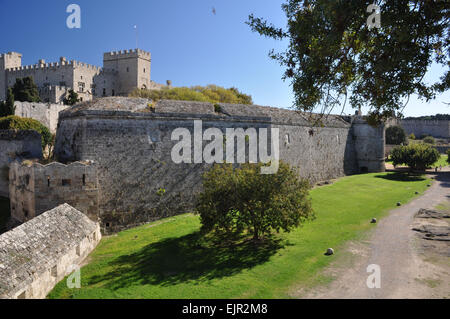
4 213
168 259
441 161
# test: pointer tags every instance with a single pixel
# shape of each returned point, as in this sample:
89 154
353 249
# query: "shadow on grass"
188 258
402 177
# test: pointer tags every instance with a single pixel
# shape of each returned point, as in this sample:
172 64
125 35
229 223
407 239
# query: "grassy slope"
163 259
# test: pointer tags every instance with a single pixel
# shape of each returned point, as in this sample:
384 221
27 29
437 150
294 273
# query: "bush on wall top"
13 122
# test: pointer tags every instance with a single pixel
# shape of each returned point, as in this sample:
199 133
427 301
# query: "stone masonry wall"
37 188
133 151
434 128
45 113
16 145
38 254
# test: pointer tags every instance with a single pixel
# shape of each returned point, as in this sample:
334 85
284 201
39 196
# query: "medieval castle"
122 72
114 167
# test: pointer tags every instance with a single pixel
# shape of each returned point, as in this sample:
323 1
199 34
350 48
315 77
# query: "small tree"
395 135
7 108
429 140
241 200
72 98
25 90
416 156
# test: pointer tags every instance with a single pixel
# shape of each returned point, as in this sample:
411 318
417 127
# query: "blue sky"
190 45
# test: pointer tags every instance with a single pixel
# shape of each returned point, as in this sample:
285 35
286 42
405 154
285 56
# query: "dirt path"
407 269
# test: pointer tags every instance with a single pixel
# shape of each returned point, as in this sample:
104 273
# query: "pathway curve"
393 246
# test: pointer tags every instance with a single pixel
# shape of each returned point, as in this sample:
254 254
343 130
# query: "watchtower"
133 67
7 61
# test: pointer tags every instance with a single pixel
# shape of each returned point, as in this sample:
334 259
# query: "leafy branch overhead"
334 56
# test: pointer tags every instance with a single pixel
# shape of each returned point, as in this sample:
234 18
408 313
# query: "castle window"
113 93
48 181
128 69
104 92
66 182
84 179
82 77
144 70
25 213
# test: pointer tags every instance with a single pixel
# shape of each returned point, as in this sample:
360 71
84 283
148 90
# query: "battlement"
10 54
123 54
35 188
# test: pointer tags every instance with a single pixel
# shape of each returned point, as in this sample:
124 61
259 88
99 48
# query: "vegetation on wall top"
210 93
13 122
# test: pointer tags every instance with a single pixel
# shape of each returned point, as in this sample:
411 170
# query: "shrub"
416 156
244 201
72 98
412 136
210 93
395 135
429 140
13 122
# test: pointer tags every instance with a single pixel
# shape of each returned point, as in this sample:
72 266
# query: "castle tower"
133 67
7 61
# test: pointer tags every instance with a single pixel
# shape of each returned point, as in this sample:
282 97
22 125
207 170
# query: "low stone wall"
36 188
38 254
45 113
16 145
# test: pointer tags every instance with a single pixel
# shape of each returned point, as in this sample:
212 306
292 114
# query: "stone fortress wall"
45 113
38 254
16 145
435 128
131 146
36 188
122 72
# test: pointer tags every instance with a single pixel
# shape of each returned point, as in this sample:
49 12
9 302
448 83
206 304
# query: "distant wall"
45 113
435 128
37 188
38 254
133 152
16 145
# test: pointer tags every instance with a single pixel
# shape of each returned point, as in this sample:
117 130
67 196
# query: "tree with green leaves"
416 156
395 135
25 90
335 55
72 98
244 201
7 108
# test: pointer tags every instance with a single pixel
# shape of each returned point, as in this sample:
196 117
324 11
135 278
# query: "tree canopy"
25 90
335 55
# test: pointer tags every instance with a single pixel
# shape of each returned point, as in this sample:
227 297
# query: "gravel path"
405 273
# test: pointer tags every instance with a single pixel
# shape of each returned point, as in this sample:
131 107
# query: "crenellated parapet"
35 188
124 54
